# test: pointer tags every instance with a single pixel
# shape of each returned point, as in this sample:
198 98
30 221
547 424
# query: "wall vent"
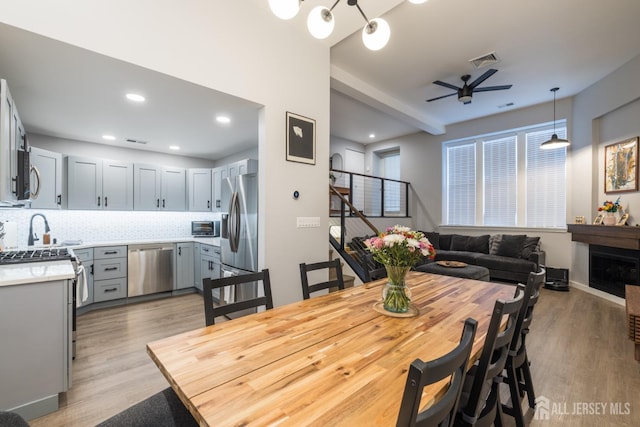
485 60
136 141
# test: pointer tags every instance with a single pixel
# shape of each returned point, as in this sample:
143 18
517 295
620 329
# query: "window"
391 169
515 183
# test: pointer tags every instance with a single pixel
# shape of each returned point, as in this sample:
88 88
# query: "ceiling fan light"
376 34
284 9
320 22
554 142
464 98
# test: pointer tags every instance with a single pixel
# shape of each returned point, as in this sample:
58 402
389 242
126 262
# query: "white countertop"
213 241
35 272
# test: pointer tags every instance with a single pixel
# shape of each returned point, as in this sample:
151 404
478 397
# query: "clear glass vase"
610 218
395 294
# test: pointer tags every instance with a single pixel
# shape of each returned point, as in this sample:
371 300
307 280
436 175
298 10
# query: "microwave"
205 228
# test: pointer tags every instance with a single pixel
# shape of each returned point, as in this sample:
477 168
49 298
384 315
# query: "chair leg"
516 399
528 382
498 420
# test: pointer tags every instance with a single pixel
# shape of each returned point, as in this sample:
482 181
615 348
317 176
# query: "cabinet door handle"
110 268
105 201
157 203
110 252
163 203
59 199
180 251
208 204
91 269
111 290
98 200
217 203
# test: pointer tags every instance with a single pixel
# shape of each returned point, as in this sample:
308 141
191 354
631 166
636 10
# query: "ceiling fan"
466 91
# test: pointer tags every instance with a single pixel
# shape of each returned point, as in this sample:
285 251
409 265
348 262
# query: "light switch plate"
308 221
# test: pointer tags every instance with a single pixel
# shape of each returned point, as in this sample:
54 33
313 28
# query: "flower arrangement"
398 248
609 206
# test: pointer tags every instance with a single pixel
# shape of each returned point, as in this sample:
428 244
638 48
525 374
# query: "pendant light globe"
376 34
285 9
320 22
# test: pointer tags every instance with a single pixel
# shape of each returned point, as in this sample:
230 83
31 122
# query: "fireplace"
610 269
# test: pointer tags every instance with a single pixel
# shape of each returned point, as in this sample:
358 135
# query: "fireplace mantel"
626 237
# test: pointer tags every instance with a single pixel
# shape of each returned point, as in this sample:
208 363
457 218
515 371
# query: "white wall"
237 47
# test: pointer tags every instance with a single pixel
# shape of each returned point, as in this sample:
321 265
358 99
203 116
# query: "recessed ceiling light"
223 119
109 137
174 147
372 135
135 97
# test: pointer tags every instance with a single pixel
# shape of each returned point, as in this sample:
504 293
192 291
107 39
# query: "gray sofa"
508 257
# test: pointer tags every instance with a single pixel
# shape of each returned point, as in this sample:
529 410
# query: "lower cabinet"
185 271
110 273
209 263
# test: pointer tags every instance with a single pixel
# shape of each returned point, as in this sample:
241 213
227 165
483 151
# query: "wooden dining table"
331 360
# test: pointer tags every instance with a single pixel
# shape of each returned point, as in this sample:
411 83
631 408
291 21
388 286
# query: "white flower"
392 239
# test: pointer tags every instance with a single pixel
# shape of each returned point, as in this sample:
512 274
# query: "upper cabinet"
11 140
99 184
158 188
48 179
219 174
199 190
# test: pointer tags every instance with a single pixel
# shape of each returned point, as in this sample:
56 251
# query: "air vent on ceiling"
485 60
136 141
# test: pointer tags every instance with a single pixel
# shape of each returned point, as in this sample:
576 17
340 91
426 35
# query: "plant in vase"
398 248
610 208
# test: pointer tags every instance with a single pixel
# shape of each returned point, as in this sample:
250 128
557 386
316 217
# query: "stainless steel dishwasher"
150 269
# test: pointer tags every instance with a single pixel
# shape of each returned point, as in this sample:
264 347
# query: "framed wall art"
621 166
623 219
301 139
598 219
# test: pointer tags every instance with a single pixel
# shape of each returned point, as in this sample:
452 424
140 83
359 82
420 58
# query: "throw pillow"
434 239
478 244
494 243
530 245
459 243
445 241
511 245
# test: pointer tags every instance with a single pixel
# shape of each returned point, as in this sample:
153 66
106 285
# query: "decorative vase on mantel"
395 294
609 218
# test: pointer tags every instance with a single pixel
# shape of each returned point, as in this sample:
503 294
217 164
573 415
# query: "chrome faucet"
32 236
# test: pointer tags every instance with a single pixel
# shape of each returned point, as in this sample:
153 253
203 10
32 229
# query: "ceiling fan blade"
490 88
440 97
445 84
482 78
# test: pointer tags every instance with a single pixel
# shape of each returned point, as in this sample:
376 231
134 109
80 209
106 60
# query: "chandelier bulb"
320 22
376 34
285 9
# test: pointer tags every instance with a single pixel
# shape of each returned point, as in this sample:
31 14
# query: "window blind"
391 170
500 181
461 184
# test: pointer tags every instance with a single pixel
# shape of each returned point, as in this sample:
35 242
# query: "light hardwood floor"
578 346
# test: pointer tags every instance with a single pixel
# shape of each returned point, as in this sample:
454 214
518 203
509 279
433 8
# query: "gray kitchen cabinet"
197 265
199 189
173 189
217 175
49 166
110 273
99 184
209 263
36 330
185 272
85 256
147 181
243 167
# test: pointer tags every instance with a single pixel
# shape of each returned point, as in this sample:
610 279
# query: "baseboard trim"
598 293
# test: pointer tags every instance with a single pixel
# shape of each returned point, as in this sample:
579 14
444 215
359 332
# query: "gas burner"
34 255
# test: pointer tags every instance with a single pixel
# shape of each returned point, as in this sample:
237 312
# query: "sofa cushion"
511 245
458 242
530 245
434 238
478 244
445 241
494 243
497 263
464 256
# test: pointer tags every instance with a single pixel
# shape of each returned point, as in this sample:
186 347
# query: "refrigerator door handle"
233 218
237 222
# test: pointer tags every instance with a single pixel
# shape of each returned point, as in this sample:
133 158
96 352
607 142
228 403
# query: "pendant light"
554 142
320 22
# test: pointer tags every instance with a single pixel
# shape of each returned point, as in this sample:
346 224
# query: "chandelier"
320 22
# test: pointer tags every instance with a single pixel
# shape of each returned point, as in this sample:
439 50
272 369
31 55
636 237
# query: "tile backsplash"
99 226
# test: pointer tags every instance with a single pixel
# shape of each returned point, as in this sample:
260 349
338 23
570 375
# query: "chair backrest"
212 311
421 374
372 269
337 281
494 353
525 316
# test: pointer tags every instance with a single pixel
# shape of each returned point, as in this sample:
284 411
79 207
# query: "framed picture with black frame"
621 166
301 139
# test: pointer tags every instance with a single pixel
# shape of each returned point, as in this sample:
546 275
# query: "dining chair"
372 269
163 409
12 419
517 374
480 400
222 308
421 374
333 266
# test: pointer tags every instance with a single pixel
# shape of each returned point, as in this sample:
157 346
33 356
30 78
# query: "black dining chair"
335 277
421 374
517 373
373 270
222 308
480 402
163 409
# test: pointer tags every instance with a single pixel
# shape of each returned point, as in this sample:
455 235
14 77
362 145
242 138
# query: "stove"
35 255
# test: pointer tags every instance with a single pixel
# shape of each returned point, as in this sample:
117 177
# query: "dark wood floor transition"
582 362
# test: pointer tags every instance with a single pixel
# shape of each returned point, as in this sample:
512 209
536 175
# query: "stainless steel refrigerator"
239 234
